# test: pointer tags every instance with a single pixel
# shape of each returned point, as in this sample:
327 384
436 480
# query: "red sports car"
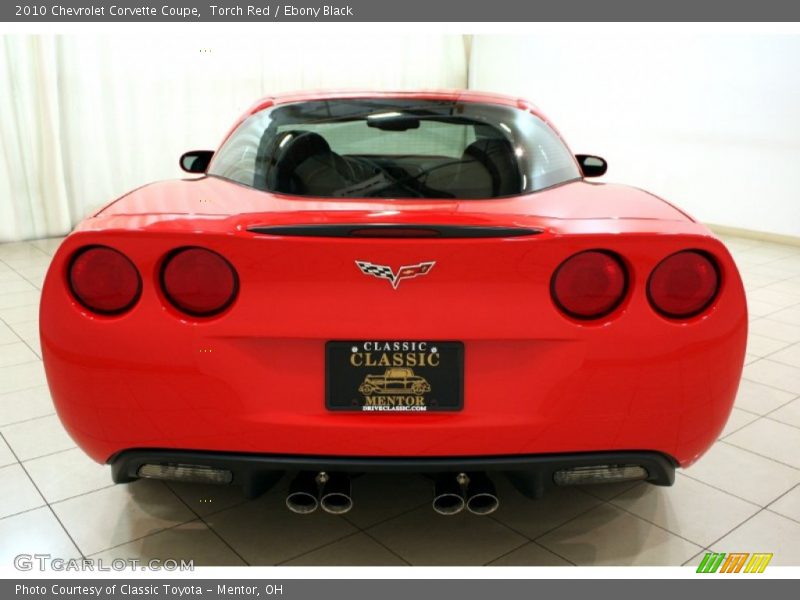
418 282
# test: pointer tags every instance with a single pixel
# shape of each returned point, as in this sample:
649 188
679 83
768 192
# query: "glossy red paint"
251 378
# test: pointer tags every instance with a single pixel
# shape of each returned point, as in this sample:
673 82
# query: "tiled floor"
744 495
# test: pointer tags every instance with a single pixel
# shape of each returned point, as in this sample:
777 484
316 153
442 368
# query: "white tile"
531 554
20 264
205 499
26 404
683 509
6 456
120 513
788 505
609 536
769 438
744 474
34 532
462 539
34 275
18 493
16 285
370 491
775 297
765 532
788 413
775 374
66 474
21 377
738 243
754 281
190 541
8 275
48 245
19 314
26 328
18 299
532 518
787 315
766 327
762 309
788 356
760 399
790 264
37 437
272 521
607 491
357 550
758 345
737 419
786 286
7 335
19 250
16 353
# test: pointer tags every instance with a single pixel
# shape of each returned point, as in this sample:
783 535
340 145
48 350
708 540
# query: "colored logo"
385 272
734 562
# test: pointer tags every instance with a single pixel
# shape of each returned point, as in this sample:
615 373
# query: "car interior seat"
497 156
299 162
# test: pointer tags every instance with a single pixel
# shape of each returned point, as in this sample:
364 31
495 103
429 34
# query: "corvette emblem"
385 272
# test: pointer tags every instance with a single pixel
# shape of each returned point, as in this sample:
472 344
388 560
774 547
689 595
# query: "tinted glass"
395 148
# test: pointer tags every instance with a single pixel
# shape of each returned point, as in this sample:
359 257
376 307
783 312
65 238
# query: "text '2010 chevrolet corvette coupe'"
416 282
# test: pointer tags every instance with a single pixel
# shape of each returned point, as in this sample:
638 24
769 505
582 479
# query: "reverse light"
104 280
589 285
599 474
683 284
190 473
199 282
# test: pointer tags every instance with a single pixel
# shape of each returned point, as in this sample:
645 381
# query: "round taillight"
589 285
199 282
104 280
683 284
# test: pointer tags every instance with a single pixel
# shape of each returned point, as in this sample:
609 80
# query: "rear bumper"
531 474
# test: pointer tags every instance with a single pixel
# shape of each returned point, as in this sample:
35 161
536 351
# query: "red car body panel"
251 379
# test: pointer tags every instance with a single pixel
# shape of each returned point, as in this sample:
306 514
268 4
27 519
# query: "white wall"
86 118
709 121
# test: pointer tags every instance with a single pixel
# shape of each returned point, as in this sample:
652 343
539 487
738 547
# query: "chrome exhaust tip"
302 496
448 498
481 495
335 496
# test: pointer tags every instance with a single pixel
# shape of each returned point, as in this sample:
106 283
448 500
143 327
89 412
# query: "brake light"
104 280
683 284
589 285
199 282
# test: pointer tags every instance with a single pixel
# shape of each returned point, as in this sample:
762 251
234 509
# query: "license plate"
394 376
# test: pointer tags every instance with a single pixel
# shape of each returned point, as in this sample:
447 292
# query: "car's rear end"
560 347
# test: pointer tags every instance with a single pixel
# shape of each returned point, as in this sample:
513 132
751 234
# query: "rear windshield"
394 148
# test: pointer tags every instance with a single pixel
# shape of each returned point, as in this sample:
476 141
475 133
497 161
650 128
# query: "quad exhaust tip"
335 493
309 491
475 492
481 495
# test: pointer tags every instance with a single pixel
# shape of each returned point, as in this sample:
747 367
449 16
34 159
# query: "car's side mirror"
196 161
592 166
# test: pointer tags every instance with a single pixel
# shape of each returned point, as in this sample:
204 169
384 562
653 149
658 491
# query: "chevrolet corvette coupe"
224 328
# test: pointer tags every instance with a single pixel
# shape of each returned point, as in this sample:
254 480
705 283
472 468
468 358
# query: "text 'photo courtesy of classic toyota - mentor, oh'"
424 282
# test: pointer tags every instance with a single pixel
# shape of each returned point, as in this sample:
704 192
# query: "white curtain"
83 119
